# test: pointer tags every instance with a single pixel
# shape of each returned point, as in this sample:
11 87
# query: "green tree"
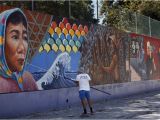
118 11
81 9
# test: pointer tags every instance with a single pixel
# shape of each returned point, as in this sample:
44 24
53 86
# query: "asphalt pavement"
141 106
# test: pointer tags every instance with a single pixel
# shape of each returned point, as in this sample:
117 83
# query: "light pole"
97 9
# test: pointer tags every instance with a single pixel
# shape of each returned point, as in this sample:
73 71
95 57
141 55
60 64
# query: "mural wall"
59 54
145 57
107 54
103 55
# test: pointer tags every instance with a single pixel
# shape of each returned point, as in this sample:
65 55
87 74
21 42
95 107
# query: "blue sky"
95 10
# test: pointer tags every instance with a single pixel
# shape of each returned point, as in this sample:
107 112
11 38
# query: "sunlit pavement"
142 106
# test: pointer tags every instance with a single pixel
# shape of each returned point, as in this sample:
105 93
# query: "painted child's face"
16 45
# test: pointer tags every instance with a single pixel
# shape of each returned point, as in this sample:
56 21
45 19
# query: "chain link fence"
140 24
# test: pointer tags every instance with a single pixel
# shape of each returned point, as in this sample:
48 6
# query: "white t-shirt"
83 80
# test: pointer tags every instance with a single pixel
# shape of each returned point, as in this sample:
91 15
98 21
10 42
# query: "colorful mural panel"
107 54
103 55
137 53
98 48
64 36
60 48
145 60
13 53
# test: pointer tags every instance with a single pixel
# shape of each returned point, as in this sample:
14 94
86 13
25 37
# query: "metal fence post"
150 26
136 21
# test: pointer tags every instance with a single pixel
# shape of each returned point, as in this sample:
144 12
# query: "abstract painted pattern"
37 25
64 36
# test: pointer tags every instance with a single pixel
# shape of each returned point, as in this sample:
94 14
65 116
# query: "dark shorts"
84 94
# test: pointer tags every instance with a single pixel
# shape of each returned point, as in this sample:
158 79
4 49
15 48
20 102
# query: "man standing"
84 91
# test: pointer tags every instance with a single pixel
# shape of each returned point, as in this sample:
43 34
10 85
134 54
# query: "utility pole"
97 9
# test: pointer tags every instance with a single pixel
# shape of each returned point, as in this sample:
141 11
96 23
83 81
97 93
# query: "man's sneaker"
84 115
92 113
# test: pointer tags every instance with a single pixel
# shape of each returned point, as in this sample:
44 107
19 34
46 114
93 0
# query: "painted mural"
107 54
61 50
13 53
145 64
69 47
103 55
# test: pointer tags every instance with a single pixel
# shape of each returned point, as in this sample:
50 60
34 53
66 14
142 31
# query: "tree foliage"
115 12
82 10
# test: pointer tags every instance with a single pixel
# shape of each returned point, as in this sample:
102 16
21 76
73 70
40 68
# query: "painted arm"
112 65
154 65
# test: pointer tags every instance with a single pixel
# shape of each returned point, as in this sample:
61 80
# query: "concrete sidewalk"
141 106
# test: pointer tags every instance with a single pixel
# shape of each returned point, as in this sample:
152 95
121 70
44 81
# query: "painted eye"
25 38
15 37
